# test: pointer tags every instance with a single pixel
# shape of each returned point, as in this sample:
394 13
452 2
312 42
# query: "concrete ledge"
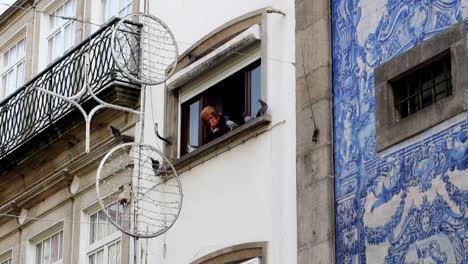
227 141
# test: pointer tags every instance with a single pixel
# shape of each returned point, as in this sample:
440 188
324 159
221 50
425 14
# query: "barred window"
424 86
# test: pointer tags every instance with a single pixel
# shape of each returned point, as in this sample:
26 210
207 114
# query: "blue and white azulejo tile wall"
407 204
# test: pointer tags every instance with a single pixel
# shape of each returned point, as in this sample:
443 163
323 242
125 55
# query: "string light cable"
100 25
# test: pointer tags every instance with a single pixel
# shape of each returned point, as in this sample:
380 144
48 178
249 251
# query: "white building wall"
246 194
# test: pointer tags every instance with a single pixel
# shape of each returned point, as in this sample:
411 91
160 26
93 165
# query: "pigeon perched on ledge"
263 109
155 164
116 132
191 148
229 123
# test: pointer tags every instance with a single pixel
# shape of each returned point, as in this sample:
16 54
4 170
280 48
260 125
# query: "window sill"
222 144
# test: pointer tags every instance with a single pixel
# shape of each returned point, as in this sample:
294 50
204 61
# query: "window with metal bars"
423 86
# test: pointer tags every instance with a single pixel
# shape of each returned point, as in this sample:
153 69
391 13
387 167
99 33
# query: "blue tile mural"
406 204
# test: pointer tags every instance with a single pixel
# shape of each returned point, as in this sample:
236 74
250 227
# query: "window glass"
50 250
20 49
5 59
61 31
194 120
38 253
11 87
256 89
20 74
112 8
104 240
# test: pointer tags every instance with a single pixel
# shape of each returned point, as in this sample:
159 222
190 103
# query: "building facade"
247 194
400 131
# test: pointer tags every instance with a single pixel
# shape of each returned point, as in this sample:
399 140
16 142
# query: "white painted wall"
246 194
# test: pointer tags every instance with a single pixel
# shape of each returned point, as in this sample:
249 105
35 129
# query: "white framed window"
12 68
50 250
61 35
115 8
7 261
6 257
104 245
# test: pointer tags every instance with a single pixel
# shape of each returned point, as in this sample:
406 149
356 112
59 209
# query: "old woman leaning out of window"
213 120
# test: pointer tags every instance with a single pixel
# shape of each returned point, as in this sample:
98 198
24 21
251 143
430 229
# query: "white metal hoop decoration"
148 57
139 190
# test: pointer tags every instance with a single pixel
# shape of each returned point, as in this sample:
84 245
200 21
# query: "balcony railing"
28 112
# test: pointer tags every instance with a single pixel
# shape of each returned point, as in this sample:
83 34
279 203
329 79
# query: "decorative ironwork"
28 111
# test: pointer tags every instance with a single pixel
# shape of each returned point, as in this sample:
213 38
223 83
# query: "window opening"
12 73
104 237
423 87
113 8
50 250
235 97
61 32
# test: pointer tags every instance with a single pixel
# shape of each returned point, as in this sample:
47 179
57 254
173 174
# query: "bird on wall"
116 132
263 109
124 195
229 123
191 148
155 164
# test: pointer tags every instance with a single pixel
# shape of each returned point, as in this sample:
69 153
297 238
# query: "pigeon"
247 118
263 108
116 132
124 195
229 123
155 164
191 148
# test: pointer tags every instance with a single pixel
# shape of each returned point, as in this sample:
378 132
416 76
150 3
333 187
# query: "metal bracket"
167 140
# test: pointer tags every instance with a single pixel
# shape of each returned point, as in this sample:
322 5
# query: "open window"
224 74
235 97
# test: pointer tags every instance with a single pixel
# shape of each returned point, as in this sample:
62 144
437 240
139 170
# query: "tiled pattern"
406 205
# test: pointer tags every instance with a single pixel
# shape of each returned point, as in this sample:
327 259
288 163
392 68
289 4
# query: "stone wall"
314 152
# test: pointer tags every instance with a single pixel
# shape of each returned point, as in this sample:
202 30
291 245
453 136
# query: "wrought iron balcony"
29 112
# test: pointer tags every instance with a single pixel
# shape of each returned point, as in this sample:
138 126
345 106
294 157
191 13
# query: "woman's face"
212 120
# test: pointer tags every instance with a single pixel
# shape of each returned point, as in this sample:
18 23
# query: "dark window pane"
427 98
403 108
413 104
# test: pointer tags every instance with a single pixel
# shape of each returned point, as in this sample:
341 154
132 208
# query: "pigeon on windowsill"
263 109
229 123
191 148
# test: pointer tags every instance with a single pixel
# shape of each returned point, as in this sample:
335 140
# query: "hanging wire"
39 219
189 44
33 8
